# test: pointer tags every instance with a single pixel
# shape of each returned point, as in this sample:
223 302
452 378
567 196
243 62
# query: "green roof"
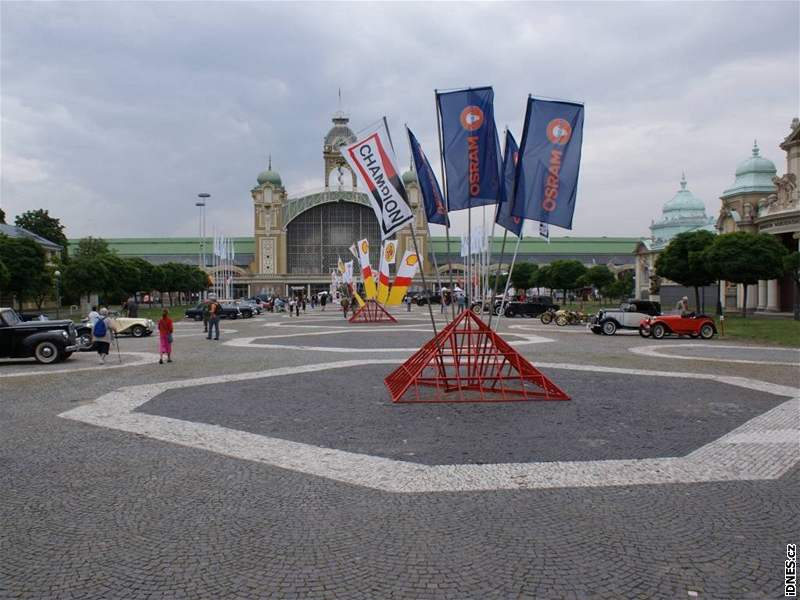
168 246
559 245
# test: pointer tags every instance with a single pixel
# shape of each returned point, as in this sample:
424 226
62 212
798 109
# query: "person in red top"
165 330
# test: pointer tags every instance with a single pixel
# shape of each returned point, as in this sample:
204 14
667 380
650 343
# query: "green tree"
146 274
5 276
621 288
745 258
25 261
83 275
791 265
565 275
90 247
597 276
2 217
683 261
523 275
41 223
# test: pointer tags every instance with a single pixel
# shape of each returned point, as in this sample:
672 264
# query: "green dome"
269 176
409 177
753 175
684 200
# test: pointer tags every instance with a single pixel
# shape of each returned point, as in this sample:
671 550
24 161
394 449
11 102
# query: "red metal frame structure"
372 312
468 362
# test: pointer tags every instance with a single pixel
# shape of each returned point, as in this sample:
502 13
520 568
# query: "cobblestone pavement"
95 512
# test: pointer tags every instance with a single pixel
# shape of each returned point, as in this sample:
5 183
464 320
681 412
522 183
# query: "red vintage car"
663 325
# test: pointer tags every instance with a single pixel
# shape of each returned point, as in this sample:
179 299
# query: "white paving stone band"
112 362
765 447
657 350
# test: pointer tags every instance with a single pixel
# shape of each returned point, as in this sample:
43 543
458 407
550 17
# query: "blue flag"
504 217
549 160
471 147
435 209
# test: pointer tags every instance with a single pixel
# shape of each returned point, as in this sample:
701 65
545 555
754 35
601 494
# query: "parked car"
533 306
46 341
663 325
628 316
229 311
133 326
254 307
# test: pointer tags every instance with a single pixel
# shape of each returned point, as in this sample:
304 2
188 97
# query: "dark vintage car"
46 341
229 311
533 306
628 316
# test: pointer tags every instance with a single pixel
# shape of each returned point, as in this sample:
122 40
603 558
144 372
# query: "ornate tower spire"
269 164
683 180
755 148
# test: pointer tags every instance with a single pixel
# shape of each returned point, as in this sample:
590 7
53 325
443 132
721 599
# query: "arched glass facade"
317 238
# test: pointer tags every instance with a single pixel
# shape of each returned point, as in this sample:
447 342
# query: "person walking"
345 305
323 301
407 300
214 314
206 314
297 306
304 303
291 305
102 334
165 331
132 308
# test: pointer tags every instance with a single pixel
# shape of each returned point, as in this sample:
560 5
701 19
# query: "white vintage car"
133 326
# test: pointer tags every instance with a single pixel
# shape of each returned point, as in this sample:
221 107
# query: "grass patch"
782 332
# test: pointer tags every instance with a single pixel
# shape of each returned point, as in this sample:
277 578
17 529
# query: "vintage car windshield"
10 318
626 307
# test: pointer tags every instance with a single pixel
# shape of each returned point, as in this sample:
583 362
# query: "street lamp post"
57 275
202 205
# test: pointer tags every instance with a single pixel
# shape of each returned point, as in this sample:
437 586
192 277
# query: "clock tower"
338 175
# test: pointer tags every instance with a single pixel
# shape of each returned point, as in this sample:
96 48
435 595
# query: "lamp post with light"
57 275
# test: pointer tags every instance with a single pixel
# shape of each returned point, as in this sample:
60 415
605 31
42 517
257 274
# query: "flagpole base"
372 312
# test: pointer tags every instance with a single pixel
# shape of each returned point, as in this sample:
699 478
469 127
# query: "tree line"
568 276
94 268
699 258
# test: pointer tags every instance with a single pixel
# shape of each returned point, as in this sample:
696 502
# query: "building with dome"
683 212
761 202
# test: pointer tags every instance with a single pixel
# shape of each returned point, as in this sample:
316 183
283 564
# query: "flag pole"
497 277
446 203
510 270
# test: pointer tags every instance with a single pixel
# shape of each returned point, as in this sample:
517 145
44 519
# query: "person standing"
297 306
304 302
291 305
206 315
682 307
345 306
93 316
132 308
165 331
102 334
214 314
323 301
407 300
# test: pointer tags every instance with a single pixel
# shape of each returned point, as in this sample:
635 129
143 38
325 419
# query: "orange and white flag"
388 255
405 275
362 247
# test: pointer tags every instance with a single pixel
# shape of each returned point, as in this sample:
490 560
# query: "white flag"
544 231
348 272
372 159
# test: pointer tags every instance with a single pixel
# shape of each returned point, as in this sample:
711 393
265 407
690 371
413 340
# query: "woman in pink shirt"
165 330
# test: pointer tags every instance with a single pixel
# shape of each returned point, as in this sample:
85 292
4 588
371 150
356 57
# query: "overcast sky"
115 115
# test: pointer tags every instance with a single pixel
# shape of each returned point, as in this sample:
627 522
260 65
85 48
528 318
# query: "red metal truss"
468 362
372 312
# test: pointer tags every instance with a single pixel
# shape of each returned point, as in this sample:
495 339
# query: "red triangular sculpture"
372 312
468 362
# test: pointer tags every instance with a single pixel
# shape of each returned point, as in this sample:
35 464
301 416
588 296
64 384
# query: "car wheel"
510 314
609 328
645 333
85 340
137 331
707 331
546 318
497 311
46 353
561 320
659 331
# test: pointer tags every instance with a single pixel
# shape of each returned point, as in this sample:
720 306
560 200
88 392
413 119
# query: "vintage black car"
46 341
533 306
229 311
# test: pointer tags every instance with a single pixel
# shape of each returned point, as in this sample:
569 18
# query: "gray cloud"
115 115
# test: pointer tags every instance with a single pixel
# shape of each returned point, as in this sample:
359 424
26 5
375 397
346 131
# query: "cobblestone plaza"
272 464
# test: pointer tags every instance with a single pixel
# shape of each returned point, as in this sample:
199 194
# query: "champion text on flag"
372 159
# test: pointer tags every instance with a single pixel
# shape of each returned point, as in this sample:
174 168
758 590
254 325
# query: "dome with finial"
409 177
340 133
753 175
269 176
684 212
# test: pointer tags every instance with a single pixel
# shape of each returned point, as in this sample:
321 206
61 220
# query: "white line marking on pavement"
657 350
112 362
247 342
749 452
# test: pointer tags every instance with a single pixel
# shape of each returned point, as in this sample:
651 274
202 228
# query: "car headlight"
65 334
150 324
